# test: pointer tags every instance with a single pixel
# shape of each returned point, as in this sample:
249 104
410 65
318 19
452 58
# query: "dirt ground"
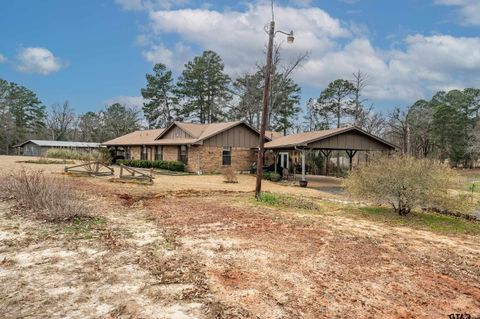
194 247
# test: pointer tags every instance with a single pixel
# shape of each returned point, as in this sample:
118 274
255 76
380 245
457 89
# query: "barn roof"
45 143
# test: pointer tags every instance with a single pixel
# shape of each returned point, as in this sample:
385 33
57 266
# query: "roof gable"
198 132
178 133
182 130
306 138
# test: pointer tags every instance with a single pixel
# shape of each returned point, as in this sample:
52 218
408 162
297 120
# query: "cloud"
38 60
424 65
133 102
3 59
240 38
428 64
469 10
174 58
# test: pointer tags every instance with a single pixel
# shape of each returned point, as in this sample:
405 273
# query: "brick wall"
208 159
135 152
170 153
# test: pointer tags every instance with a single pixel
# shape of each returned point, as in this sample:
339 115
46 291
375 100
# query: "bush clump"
405 183
168 165
229 175
100 155
272 176
43 197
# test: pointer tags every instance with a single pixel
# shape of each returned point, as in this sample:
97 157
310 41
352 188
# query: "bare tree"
60 121
398 128
281 80
360 82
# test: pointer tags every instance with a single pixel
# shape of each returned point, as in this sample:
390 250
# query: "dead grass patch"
43 197
219 310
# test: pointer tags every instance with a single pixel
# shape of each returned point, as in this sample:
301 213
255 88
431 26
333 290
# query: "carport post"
276 159
303 165
351 154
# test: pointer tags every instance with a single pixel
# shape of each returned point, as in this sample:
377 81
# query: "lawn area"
420 220
195 247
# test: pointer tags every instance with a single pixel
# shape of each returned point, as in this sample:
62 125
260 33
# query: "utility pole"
266 101
266 97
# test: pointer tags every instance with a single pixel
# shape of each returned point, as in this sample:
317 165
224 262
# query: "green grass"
420 220
473 187
277 200
428 221
84 228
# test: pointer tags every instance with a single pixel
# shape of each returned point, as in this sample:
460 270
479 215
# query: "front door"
284 160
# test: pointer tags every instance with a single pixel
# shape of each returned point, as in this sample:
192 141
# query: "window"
183 154
227 155
158 153
144 155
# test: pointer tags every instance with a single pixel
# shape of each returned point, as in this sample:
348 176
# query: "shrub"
43 197
230 175
168 165
404 182
63 153
100 155
275 177
271 176
266 175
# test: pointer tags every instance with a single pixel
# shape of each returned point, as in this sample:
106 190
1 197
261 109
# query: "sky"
95 52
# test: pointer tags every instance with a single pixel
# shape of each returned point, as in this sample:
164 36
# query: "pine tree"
119 120
249 89
337 99
204 88
160 106
22 114
283 113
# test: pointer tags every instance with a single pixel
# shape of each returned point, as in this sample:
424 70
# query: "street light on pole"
266 96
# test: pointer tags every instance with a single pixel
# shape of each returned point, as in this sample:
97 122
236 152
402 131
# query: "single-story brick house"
40 147
203 148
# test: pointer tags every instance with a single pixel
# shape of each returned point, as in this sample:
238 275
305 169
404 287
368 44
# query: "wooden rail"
132 174
90 168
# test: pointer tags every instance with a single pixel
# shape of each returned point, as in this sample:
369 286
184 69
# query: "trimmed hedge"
272 176
168 165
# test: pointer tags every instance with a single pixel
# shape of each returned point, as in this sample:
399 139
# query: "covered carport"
349 139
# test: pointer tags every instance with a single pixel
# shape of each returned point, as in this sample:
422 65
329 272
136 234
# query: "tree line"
23 116
204 93
444 127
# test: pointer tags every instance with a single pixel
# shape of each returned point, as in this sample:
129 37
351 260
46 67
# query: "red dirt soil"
280 265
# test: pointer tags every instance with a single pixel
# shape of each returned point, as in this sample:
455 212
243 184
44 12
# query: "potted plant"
303 183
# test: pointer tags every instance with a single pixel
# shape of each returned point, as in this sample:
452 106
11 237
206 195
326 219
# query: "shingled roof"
142 137
303 139
198 133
